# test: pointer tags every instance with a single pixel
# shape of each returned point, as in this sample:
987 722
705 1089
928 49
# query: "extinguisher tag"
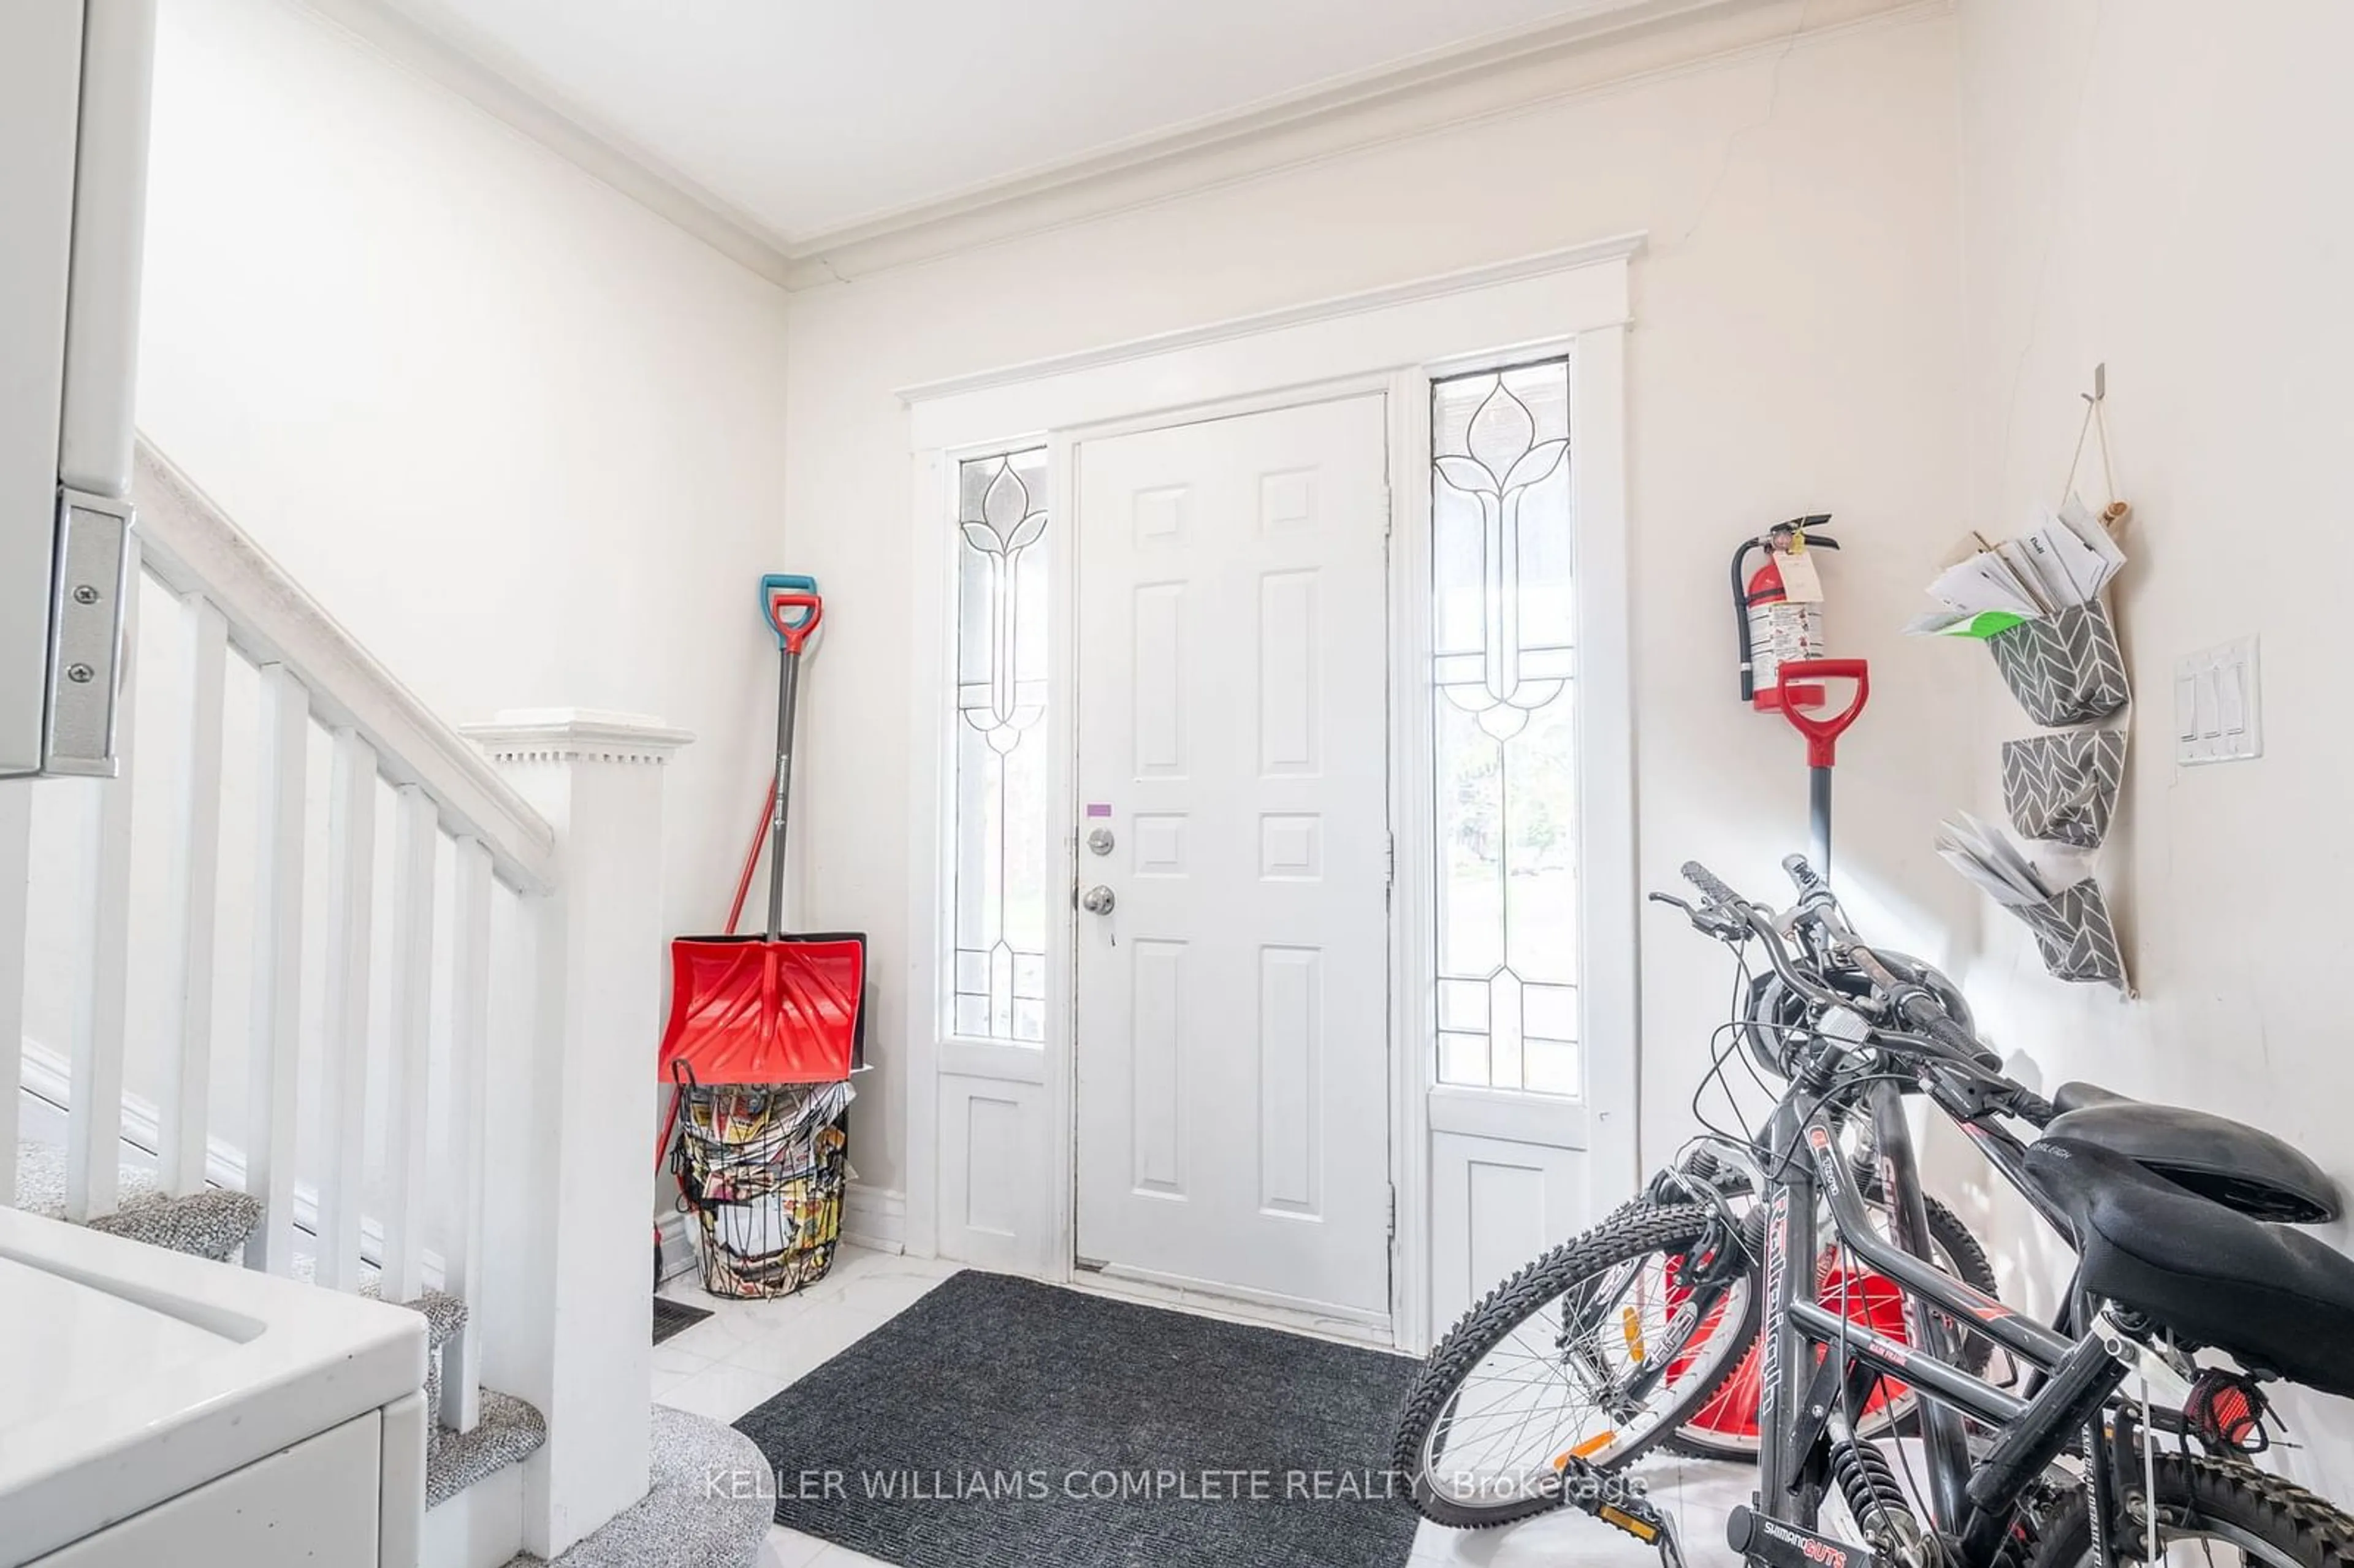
1801 584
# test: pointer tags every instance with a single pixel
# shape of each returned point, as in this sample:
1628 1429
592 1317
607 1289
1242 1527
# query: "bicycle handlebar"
1940 1038
1712 886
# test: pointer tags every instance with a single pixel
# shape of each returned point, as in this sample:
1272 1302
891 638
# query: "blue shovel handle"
775 583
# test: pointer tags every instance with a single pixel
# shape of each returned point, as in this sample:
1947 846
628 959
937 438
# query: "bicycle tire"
2198 1494
1634 1231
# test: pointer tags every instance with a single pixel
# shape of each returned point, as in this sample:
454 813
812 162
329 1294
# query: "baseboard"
874 1218
677 1244
46 1076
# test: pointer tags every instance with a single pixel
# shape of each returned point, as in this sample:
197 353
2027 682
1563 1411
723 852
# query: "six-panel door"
1233 1064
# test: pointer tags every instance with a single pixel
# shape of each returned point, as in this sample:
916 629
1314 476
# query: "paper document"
1992 859
2062 559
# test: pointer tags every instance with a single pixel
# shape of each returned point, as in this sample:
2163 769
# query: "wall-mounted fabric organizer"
2064 788
2075 936
2062 663
2064 669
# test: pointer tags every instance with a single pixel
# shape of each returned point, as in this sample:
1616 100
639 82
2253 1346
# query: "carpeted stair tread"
215 1223
211 1223
41 1181
444 1315
685 1520
510 1432
206 1224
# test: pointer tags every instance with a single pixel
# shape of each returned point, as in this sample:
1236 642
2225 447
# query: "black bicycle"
2168 1210
1643 1332
2177 1218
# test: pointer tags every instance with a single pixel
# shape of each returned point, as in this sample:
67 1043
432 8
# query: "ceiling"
805 120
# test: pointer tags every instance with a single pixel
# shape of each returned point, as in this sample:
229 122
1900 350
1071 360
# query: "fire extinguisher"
1775 628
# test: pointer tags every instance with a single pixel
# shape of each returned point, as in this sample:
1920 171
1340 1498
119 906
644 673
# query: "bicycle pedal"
1607 1498
1772 1543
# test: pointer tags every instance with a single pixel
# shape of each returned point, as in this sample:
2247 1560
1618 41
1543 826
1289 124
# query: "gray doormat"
1000 1423
674 1316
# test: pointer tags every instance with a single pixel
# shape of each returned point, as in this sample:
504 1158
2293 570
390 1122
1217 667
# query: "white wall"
1795 348
523 438
2151 186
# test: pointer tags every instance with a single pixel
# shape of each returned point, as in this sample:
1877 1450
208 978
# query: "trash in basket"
762 1170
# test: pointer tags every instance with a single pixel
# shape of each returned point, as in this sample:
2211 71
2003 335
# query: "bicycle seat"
2277 1298
2226 1161
2075 1095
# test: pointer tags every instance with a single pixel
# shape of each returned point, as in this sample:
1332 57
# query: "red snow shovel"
771 1009
1822 731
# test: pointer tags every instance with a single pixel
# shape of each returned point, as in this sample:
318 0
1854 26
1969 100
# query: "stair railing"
523 1034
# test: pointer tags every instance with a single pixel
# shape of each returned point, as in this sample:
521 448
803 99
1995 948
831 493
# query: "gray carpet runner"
1000 1423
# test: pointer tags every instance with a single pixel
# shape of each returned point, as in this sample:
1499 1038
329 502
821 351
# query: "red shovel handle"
782 608
1822 730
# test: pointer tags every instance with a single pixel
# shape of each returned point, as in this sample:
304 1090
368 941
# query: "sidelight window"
1504 730
1002 773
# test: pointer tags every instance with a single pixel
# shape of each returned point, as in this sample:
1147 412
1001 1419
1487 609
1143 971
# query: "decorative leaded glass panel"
1001 862
1503 666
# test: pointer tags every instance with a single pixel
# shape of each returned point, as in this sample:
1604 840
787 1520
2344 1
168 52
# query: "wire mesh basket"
762 1167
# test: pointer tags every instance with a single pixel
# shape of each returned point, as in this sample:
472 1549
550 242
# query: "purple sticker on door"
1098 809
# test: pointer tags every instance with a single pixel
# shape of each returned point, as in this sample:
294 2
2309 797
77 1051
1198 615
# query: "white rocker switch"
2216 703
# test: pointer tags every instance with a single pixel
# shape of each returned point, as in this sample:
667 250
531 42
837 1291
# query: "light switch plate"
2216 716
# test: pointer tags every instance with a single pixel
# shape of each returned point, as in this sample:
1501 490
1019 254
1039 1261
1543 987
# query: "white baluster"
16 870
195 878
469 1047
415 831
94 1119
343 1104
277 1001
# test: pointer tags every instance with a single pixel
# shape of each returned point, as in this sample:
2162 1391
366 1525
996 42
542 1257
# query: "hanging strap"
2096 422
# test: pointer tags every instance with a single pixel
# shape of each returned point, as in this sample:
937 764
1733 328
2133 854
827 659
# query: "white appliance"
74 90
157 1408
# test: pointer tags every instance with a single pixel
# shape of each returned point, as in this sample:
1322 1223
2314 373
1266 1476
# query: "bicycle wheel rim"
1553 1389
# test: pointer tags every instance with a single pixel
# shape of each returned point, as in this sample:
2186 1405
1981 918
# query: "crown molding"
1497 79
509 92
1618 248
1499 75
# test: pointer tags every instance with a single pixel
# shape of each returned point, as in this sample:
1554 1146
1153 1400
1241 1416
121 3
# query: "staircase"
217 1225
479 1022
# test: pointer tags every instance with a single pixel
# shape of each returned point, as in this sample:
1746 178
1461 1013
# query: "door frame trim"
1392 340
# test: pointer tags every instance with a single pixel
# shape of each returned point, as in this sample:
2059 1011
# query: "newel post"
569 1222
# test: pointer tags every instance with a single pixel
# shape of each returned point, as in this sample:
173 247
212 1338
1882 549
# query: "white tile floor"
747 1350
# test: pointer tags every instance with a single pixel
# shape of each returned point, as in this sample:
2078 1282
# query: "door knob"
1097 900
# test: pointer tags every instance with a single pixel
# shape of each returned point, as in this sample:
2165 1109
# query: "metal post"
1785 1491
788 695
1942 1434
1818 821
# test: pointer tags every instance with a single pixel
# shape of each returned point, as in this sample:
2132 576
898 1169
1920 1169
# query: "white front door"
1233 1056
